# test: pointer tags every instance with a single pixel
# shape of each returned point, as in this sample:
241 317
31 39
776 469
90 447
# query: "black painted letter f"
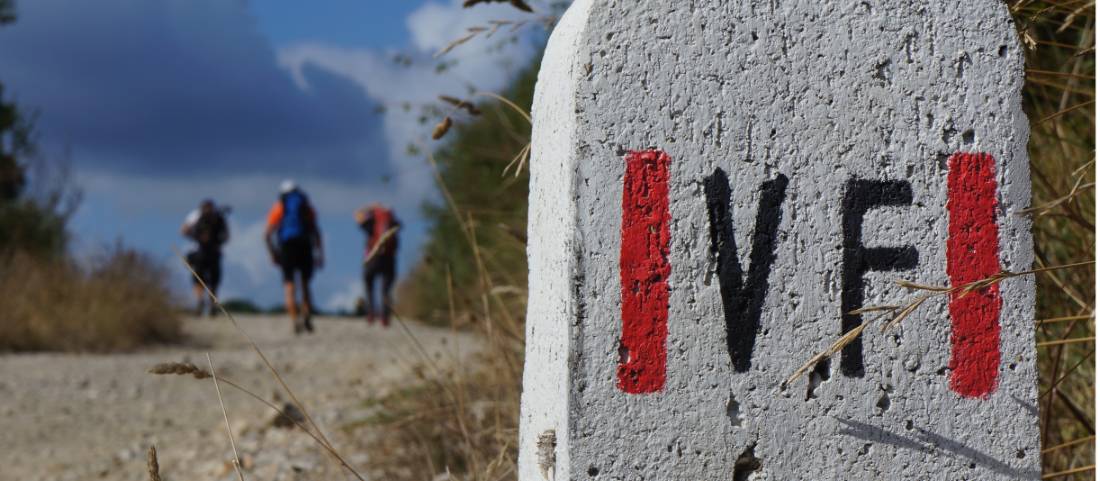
743 300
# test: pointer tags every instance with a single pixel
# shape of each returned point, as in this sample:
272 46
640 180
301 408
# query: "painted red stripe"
972 248
644 271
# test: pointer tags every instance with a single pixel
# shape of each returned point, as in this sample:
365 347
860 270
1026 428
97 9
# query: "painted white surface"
821 92
552 300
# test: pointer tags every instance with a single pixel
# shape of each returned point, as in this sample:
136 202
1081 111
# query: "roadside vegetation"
463 418
118 301
463 421
1059 38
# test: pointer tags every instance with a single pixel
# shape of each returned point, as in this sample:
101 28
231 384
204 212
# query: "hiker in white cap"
207 227
294 241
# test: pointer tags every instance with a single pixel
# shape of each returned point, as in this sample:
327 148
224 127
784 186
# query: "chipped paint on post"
972 256
643 272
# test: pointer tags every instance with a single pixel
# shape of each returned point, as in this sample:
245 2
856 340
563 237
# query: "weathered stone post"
716 185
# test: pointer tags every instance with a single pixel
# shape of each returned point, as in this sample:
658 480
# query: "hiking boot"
308 323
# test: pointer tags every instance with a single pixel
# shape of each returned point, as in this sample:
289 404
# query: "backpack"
383 221
209 231
296 223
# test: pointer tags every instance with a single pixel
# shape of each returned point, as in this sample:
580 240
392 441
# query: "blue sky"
157 104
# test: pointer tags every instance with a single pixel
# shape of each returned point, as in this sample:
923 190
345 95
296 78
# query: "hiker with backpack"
294 242
206 226
380 259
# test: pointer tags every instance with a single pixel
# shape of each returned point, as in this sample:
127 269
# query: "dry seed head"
441 128
518 4
451 100
154 466
461 104
179 368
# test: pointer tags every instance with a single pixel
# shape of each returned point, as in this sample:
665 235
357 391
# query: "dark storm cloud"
181 87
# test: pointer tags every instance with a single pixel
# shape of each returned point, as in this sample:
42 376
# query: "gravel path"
79 417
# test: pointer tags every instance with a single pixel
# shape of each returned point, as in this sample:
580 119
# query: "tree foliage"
29 225
491 207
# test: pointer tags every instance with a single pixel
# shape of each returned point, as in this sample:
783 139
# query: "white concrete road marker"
715 183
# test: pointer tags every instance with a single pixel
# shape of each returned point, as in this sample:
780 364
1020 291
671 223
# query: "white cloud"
486 64
434 25
147 209
346 298
246 249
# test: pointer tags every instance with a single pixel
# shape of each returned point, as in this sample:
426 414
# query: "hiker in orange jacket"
380 259
294 241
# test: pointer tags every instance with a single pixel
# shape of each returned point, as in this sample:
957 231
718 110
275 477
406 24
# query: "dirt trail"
79 417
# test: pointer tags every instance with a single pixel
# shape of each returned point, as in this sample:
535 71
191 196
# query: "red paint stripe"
972 248
644 271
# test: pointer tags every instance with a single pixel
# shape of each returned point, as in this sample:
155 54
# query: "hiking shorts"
296 255
208 265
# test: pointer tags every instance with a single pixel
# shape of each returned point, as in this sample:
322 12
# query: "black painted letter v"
743 296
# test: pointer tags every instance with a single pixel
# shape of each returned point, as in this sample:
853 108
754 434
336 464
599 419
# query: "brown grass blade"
1059 474
442 128
255 348
153 464
392 231
917 302
1066 341
225 415
1069 444
1065 318
179 368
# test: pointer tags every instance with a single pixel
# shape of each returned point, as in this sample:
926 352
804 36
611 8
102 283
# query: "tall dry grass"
461 420
1058 97
118 303
460 423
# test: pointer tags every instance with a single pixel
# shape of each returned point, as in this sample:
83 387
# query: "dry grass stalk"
225 415
1065 318
255 348
184 368
1066 341
526 115
392 231
315 432
1068 373
1059 474
519 4
153 464
462 423
461 104
121 301
1069 444
1078 188
179 368
903 311
494 26
518 161
442 128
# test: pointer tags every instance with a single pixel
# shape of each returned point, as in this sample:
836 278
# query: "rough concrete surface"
809 147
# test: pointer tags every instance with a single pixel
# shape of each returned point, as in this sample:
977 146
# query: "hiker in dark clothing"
294 241
380 259
207 227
